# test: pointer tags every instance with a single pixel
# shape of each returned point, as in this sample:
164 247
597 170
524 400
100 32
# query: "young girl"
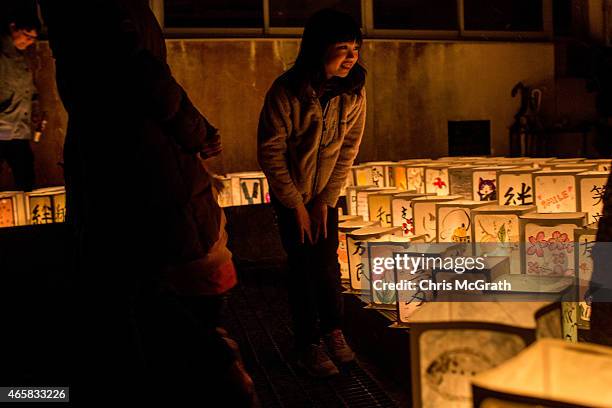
309 133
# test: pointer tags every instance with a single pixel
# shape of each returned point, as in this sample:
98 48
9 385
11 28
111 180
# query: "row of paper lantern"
42 206
244 188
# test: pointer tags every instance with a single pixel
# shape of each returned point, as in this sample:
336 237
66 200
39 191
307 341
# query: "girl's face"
341 57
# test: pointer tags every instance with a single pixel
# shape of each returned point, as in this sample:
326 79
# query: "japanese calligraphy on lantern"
436 180
592 187
46 206
555 193
515 187
585 239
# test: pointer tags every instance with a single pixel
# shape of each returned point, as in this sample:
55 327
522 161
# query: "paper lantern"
515 186
345 227
496 232
380 207
372 173
46 205
381 273
549 248
454 221
409 293
347 217
452 342
591 188
249 188
415 175
424 214
12 209
351 197
602 164
224 191
484 183
436 179
549 373
359 274
460 179
570 160
398 177
401 211
555 190
584 238
363 202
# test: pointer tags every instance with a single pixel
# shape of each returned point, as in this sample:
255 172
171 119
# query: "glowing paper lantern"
12 209
591 188
351 197
46 205
550 373
224 192
585 239
249 188
363 202
415 175
484 183
602 164
436 179
344 228
549 249
359 274
460 179
347 217
372 173
577 166
571 160
555 190
454 221
424 215
452 342
398 177
515 186
380 207
381 275
401 211
496 232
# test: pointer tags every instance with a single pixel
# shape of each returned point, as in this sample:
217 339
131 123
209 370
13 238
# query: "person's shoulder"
281 87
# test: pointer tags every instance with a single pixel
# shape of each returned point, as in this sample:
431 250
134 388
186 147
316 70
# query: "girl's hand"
318 215
303 223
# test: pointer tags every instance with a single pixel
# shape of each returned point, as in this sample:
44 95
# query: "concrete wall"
413 87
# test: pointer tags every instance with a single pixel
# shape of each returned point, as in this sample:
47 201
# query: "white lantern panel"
425 219
592 191
584 245
449 359
454 225
7 213
416 179
251 191
379 209
498 235
515 189
436 181
402 216
549 250
343 256
461 182
46 206
555 193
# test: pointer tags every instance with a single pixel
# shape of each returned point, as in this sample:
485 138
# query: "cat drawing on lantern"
487 190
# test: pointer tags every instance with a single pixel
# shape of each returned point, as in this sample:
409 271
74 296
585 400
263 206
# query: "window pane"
416 14
294 13
213 13
503 15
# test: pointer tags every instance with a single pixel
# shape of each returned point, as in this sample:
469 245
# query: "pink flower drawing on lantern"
538 243
533 268
560 242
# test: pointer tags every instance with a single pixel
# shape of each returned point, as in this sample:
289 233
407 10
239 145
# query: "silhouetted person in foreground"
151 256
309 133
18 96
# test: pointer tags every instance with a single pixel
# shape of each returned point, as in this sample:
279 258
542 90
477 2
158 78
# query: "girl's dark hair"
24 16
323 29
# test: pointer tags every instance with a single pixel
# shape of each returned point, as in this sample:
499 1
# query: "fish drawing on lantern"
487 190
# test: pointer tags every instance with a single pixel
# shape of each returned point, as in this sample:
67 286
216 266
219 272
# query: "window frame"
367 24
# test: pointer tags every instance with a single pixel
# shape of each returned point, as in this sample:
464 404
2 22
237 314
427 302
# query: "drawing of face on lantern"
484 185
12 209
344 228
436 180
46 206
515 187
401 210
416 179
359 272
591 187
549 248
424 215
555 191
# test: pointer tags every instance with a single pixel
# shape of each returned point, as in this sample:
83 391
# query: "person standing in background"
18 97
309 133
